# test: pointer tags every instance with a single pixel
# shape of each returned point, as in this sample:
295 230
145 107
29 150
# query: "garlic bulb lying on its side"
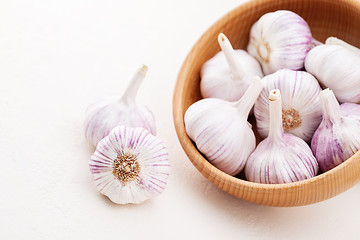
130 165
220 129
337 68
301 107
338 136
103 116
280 40
281 157
228 74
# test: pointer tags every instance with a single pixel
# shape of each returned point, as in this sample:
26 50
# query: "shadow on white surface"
277 222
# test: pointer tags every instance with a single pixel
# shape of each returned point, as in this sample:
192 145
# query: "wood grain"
326 18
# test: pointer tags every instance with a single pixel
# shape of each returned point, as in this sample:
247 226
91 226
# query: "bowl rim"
205 167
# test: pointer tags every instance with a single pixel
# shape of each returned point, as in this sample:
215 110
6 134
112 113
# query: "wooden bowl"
326 18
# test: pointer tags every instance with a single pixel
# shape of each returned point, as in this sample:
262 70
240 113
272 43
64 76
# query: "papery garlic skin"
275 163
301 105
338 136
228 74
352 109
104 115
281 157
220 129
337 68
225 141
280 40
130 165
337 41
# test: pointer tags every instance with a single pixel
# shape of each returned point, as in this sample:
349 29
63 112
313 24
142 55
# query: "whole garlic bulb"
130 165
220 129
280 40
337 68
301 107
228 74
281 157
103 116
338 136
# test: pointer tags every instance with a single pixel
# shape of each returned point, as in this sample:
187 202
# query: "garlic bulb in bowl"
338 136
220 129
281 157
280 40
336 67
103 116
301 107
228 74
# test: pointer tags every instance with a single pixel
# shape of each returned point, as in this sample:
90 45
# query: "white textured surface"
58 56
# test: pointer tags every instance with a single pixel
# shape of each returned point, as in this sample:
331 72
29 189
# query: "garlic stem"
246 102
132 89
230 56
275 130
337 41
330 106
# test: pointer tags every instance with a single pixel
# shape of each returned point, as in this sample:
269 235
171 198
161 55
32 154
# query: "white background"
56 57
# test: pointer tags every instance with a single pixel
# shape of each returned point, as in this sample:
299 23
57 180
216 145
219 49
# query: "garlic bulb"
301 107
281 157
228 74
103 116
336 67
338 136
220 129
280 40
337 41
130 165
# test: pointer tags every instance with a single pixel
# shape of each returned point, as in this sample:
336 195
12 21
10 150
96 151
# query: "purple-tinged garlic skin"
351 109
336 67
338 136
226 140
281 157
301 105
280 40
289 160
228 74
130 165
106 114
220 129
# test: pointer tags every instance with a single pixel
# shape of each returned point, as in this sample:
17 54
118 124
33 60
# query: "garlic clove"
301 107
280 40
336 67
281 157
228 74
130 165
220 129
338 136
337 41
110 112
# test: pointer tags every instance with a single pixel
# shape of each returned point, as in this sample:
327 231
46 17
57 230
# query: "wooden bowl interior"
325 18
